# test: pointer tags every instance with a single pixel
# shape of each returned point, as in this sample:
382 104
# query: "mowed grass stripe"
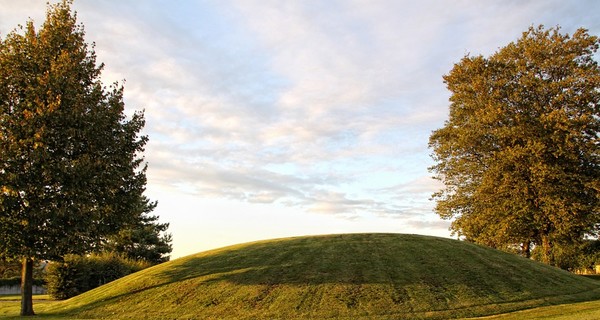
334 276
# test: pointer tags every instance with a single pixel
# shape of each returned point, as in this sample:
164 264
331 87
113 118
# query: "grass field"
575 311
374 276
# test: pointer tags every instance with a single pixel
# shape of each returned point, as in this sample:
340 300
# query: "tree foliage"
70 170
12 269
519 154
580 256
143 240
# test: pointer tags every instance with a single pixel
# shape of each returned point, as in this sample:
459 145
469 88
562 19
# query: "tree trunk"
27 288
546 250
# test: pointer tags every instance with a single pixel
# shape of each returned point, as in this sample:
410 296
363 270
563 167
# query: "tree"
70 169
575 257
143 240
519 154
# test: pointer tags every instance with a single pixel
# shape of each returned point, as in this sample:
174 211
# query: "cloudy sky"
281 118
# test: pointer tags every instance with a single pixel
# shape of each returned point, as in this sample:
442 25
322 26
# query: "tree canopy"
71 173
519 154
144 239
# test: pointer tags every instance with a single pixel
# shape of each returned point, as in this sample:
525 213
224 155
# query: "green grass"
589 310
15 297
10 304
11 297
352 276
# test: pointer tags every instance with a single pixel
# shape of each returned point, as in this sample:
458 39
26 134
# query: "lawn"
370 276
589 310
10 305
9 309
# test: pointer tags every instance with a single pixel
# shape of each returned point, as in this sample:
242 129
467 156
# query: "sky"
272 119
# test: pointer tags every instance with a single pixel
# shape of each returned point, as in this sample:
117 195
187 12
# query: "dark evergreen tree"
145 239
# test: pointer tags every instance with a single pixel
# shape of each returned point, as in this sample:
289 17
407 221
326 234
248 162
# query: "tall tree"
519 154
145 239
70 169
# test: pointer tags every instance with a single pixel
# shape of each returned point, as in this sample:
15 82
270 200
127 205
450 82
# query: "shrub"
77 274
16 281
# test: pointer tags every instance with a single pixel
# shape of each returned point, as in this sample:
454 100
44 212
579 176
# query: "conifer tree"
143 240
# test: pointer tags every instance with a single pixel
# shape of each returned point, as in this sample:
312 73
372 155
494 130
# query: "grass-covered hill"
375 276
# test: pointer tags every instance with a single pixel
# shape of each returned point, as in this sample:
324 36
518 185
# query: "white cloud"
325 86
323 106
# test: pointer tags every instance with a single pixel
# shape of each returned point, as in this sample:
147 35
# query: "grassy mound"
336 276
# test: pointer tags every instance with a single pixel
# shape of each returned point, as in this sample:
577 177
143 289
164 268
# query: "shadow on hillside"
368 259
333 259
399 262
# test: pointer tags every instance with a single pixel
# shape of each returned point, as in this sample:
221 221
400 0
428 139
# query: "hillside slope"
334 276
